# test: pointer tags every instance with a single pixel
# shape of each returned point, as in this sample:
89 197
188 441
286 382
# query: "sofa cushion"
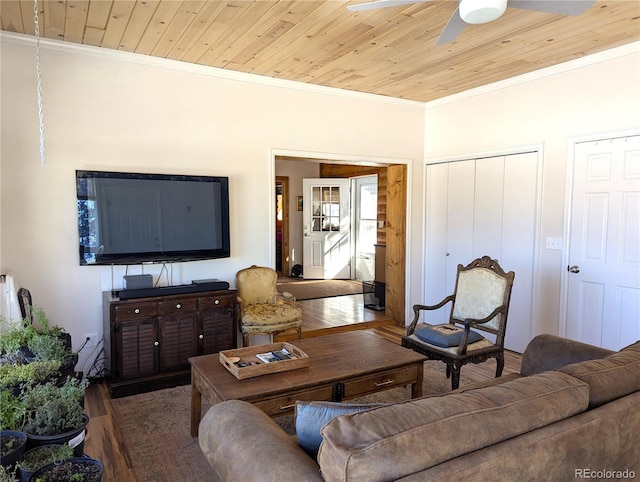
390 442
311 416
609 378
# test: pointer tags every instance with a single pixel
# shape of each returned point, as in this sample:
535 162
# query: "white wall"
109 110
600 94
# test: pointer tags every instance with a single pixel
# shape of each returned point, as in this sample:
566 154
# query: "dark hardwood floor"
320 317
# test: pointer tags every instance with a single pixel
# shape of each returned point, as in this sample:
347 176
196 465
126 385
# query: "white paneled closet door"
483 207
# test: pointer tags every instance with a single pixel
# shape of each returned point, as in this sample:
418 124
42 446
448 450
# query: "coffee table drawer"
380 381
285 404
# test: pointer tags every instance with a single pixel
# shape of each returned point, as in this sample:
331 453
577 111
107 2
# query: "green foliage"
48 352
17 335
49 347
34 372
8 475
51 409
12 411
44 455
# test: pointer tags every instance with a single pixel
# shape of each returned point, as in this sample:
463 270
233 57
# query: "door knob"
573 269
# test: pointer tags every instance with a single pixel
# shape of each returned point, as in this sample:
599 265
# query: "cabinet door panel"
216 331
136 349
178 340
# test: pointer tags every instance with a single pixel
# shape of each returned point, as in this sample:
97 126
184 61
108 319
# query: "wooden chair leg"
455 378
499 365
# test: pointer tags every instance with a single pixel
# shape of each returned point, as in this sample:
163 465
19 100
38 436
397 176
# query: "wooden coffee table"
341 366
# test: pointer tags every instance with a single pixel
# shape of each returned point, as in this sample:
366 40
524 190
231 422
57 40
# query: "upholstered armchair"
480 301
262 310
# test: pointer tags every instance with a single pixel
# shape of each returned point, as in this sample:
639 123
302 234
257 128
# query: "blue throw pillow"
445 335
312 416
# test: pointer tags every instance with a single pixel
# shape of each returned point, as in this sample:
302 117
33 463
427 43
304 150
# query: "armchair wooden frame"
494 323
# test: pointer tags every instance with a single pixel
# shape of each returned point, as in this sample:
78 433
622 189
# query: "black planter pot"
76 437
19 446
25 474
62 471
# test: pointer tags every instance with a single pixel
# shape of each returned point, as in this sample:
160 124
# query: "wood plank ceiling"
389 51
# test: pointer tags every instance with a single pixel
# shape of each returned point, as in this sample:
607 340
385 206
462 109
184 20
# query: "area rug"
157 437
312 289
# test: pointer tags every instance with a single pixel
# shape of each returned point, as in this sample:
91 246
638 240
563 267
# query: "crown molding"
632 48
177 65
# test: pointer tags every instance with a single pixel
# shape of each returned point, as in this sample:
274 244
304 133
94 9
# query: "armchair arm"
462 348
288 298
418 308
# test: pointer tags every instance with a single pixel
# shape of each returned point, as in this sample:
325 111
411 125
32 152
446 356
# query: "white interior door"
365 220
327 229
483 207
603 298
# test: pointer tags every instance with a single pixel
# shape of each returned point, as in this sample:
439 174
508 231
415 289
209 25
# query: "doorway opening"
282 225
390 220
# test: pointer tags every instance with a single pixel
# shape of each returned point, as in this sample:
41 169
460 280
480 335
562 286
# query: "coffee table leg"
416 388
196 407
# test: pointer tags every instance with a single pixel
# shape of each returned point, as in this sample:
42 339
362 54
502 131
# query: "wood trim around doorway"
284 182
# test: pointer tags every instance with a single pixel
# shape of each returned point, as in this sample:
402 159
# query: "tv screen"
132 218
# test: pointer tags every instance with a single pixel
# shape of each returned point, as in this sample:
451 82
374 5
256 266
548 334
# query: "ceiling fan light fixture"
481 11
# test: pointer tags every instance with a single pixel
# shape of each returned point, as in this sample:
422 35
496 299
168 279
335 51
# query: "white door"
327 229
483 207
365 220
603 298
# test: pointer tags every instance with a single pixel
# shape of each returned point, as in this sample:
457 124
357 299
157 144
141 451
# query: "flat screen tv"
133 218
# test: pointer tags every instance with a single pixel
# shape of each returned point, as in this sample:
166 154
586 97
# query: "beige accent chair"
480 301
262 310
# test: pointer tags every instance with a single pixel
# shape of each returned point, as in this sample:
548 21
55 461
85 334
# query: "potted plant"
41 456
54 414
77 469
12 446
34 353
13 441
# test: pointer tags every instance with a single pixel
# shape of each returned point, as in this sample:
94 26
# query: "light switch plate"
554 243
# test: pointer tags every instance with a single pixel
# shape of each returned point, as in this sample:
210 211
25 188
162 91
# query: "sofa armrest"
549 352
243 443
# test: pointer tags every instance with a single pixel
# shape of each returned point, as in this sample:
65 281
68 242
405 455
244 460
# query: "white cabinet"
482 207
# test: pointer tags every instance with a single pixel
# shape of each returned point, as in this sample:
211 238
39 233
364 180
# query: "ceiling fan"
483 11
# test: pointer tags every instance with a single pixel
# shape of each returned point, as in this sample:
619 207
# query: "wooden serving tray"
248 355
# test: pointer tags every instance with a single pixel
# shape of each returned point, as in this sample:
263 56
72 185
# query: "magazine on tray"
274 356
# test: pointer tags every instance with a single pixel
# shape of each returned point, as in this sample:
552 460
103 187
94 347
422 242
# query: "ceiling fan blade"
382 4
454 27
562 7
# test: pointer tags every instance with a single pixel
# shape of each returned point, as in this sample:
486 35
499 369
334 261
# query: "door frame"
568 209
284 181
334 158
355 216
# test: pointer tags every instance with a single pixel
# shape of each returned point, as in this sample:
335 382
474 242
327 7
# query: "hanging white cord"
36 22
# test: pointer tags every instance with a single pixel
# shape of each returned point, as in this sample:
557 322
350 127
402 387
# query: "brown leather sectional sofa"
572 413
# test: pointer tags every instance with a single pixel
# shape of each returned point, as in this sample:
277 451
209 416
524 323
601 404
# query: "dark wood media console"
148 341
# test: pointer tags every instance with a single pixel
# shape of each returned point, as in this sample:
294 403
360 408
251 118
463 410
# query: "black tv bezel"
160 257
